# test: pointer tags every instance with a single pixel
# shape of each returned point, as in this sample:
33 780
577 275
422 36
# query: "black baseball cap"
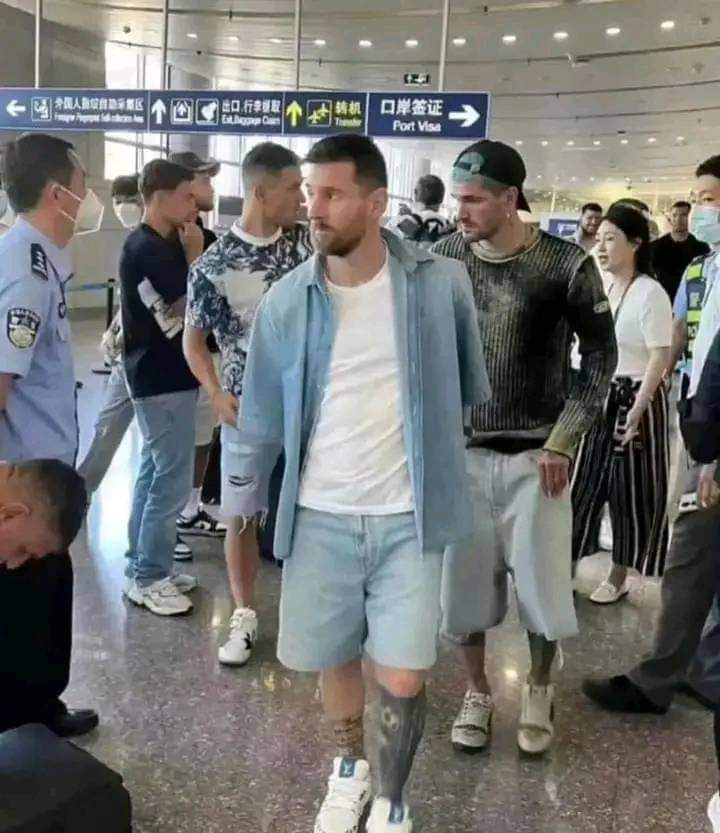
495 162
192 162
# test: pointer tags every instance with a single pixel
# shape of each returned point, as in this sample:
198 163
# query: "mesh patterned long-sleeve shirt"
531 306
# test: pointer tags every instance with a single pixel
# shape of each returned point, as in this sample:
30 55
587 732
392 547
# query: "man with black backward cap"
534 294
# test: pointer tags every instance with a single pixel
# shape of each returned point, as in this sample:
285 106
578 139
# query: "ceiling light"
459 41
561 36
234 38
544 143
573 179
364 43
519 142
592 179
613 31
320 42
652 140
539 176
571 143
597 143
624 141
411 43
509 39
192 35
276 40
681 138
667 25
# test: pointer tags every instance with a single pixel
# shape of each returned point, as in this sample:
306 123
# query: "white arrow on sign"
468 115
14 108
159 110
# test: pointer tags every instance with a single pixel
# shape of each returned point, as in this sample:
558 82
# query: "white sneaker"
347 796
243 635
536 730
389 817
184 582
607 594
713 812
471 729
161 597
181 551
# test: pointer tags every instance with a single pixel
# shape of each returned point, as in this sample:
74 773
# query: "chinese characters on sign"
436 115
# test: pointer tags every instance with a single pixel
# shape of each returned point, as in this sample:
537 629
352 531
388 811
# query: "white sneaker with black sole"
471 729
162 598
182 551
200 525
243 636
389 817
537 719
347 797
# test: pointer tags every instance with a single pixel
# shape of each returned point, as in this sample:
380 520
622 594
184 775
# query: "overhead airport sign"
416 79
434 115
411 115
73 109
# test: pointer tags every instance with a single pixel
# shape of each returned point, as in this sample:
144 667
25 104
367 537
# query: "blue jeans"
167 424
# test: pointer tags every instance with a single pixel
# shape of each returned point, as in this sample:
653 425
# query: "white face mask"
129 214
705 224
90 212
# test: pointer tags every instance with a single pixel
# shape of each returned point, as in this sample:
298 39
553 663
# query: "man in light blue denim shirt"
359 366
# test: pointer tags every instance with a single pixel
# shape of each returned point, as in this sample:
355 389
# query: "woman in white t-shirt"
624 458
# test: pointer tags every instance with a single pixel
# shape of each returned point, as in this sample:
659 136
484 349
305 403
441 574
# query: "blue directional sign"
321 114
429 115
48 109
413 116
216 111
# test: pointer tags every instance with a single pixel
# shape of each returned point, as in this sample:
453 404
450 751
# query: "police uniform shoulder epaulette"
38 262
700 258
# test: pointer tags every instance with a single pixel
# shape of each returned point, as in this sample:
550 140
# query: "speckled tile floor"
243 751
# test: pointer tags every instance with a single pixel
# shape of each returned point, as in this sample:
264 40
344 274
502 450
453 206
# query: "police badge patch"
22 327
38 261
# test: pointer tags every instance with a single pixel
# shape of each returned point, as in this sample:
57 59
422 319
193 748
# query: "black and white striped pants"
633 482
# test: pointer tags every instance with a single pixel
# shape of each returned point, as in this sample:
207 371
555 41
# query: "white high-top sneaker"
537 730
243 635
347 796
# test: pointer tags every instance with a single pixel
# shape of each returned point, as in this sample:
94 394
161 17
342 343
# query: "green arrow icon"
294 112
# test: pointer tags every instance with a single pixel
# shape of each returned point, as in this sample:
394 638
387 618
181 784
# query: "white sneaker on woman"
537 729
607 594
347 796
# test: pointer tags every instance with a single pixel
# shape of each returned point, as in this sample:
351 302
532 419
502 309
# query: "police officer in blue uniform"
45 184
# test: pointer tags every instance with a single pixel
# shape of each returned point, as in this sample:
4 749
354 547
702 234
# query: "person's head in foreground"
347 192
42 507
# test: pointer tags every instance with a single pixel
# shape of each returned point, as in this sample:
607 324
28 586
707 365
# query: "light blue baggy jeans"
164 480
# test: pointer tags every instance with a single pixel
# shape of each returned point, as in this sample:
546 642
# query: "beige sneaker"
536 731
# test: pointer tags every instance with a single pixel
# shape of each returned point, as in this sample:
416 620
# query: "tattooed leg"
402 722
349 737
343 696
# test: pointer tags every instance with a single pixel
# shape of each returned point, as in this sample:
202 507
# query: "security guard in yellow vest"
687 311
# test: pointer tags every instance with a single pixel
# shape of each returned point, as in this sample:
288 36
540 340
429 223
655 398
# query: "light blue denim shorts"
358 583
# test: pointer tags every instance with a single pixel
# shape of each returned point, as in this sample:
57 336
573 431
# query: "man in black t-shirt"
153 274
673 253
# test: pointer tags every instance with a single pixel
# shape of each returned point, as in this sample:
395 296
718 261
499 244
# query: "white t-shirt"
709 323
357 463
643 322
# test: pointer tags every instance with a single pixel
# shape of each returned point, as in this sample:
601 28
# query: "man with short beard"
359 365
534 293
